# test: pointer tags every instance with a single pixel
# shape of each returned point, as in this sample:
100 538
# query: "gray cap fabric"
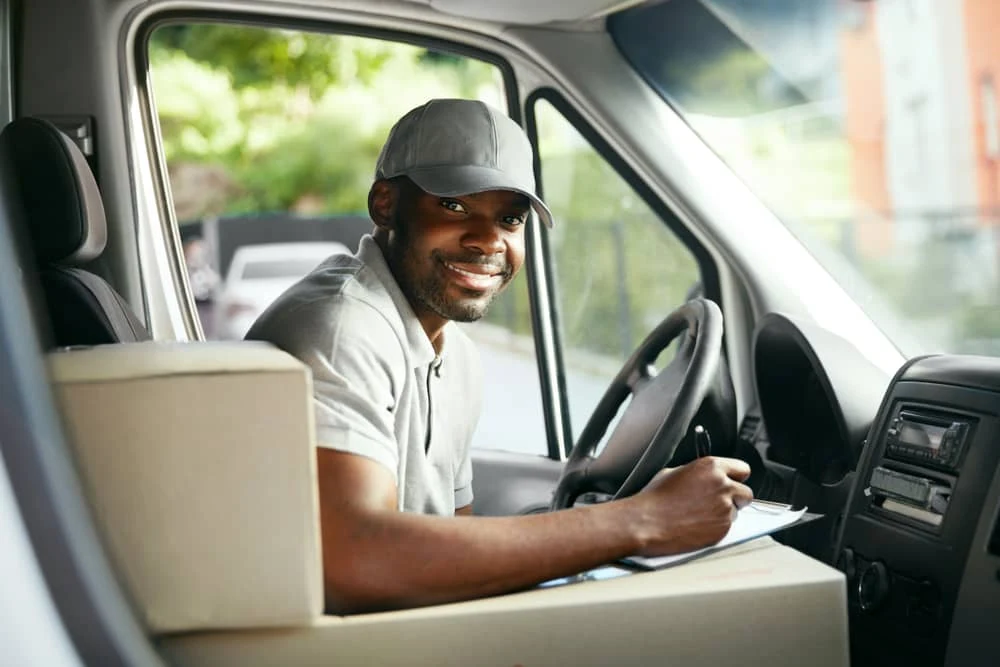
453 147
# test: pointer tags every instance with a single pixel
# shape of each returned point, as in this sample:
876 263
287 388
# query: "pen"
702 442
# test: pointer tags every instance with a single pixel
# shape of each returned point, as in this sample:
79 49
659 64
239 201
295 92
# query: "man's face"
453 255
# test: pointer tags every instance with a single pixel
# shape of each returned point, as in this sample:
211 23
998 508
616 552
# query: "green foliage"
198 111
319 158
292 116
259 57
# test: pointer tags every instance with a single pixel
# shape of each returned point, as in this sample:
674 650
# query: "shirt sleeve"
353 354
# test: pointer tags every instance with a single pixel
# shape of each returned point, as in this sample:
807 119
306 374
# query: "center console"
920 493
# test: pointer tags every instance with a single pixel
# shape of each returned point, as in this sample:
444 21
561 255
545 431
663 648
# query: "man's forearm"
376 557
386 559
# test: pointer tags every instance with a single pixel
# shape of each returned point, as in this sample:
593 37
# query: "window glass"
619 269
870 128
271 137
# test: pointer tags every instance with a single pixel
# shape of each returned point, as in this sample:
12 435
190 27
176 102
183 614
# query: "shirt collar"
421 351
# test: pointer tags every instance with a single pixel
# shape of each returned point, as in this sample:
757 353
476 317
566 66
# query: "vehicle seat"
66 229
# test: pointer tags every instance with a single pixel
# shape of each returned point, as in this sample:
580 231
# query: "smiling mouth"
474 276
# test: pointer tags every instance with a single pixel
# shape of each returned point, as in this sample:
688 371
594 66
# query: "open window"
270 137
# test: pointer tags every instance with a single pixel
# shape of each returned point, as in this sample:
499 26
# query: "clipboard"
759 518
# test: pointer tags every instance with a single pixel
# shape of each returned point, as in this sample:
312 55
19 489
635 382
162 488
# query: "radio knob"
873 587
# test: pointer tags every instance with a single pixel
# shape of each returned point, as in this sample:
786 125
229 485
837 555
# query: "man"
397 387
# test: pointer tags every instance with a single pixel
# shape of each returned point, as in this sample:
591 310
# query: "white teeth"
478 276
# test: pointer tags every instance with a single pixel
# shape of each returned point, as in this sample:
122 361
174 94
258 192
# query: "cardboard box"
760 603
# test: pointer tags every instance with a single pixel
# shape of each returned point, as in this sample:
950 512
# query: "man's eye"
453 205
515 220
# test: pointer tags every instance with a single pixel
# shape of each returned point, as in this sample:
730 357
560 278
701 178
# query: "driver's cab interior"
161 137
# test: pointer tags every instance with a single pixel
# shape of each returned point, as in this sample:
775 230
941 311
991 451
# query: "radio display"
928 439
925 436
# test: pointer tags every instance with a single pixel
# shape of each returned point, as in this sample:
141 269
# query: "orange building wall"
861 79
982 20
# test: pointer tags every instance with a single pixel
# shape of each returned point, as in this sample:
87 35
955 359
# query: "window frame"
711 285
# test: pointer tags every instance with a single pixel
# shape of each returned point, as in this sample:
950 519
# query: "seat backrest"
199 462
65 223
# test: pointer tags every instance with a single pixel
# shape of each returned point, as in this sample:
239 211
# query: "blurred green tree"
262 56
294 119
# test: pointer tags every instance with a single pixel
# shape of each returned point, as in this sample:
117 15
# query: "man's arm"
375 557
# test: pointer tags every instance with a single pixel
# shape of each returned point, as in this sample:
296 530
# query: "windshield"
872 129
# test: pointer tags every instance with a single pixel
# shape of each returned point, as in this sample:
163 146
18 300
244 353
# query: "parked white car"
258 275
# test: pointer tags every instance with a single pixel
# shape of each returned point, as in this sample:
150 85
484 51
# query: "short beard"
428 291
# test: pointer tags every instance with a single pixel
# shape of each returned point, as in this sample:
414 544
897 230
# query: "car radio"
927 438
933 444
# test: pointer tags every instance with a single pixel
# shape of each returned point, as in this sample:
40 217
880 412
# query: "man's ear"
383 200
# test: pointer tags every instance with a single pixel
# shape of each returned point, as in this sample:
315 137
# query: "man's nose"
484 236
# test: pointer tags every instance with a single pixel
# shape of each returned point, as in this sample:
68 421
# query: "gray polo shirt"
380 390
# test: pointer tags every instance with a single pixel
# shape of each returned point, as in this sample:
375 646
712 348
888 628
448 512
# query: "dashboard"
906 470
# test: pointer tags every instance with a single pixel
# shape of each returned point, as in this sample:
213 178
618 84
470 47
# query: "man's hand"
689 507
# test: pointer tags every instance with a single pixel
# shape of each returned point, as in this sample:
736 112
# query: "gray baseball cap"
453 147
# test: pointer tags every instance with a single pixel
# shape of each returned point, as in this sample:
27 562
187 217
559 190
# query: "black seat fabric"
67 230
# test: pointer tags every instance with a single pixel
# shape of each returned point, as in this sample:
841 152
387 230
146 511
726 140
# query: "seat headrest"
61 201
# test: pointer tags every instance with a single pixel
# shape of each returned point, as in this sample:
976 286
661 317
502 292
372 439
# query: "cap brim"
469 180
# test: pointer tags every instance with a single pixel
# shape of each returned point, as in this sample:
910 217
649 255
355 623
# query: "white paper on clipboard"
752 521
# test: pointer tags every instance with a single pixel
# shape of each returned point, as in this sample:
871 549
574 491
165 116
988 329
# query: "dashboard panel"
907 471
919 496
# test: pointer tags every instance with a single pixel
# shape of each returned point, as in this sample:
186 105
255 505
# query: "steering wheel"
659 414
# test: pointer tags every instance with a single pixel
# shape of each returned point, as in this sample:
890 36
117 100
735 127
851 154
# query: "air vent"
748 429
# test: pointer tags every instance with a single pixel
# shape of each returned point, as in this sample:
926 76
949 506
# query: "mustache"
493 265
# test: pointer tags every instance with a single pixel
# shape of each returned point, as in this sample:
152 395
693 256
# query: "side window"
619 270
271 137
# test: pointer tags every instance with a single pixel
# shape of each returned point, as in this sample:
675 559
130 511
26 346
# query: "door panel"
505 483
